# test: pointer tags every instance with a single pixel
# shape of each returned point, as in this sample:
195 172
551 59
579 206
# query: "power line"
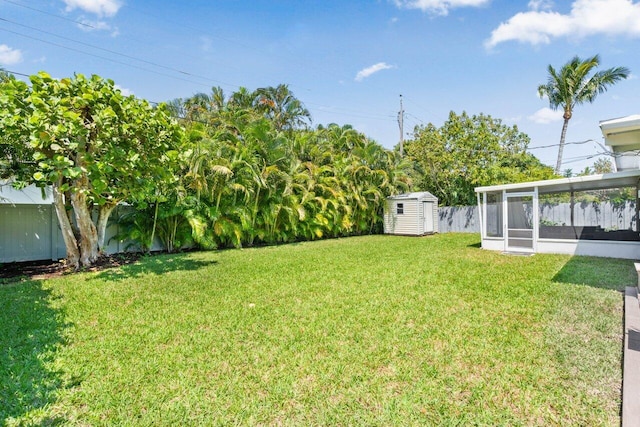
84 24
93 27
103 57
420 108
362 116
358 113
17 73
155 64
566 143
108 51
416 118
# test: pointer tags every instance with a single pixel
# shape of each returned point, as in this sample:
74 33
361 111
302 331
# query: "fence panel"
458 219
29 232
606 215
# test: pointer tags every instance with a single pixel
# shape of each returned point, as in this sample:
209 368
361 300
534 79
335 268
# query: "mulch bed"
47 269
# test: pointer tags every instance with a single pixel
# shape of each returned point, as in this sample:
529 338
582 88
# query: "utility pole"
401 125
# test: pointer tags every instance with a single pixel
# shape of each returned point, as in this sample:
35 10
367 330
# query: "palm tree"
572 85
282 107
5 76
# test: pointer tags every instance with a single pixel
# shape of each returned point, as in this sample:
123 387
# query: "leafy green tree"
599 167
471 151
94 146
574 85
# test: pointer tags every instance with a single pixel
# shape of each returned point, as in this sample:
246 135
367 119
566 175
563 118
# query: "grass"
377 330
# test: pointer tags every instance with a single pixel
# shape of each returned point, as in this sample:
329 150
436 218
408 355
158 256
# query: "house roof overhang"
579 183
621 131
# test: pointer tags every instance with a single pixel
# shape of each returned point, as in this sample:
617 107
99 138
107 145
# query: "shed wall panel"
406 223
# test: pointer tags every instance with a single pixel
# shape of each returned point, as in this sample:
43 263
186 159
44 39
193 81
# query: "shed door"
427 211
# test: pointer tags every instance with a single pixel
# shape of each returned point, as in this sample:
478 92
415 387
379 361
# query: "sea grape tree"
92 145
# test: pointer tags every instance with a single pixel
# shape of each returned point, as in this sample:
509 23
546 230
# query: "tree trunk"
153 230
88 232
70 242
561 146
69 209
103 218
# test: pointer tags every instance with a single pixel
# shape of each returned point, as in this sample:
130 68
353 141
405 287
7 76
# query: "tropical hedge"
253 171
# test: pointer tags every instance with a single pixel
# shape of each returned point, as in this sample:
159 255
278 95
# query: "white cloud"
123 90
587 17
540 4
438 7
546 115
97 7
9 56
366 72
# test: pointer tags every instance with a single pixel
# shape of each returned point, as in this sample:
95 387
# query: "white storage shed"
411 214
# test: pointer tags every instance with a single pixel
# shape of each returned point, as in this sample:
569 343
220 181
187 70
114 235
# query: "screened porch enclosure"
590 215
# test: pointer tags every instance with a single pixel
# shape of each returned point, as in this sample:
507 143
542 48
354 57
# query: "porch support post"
536 219
505 219
481 213
637 218
572 206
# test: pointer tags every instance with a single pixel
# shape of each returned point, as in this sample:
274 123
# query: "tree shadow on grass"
155 264
31 332
604 273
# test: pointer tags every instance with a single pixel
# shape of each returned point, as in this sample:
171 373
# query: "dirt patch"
15 271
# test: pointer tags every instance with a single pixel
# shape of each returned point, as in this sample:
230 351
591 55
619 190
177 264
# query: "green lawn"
376 330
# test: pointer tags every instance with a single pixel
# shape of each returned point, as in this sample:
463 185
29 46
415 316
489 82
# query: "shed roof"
413 196
579 183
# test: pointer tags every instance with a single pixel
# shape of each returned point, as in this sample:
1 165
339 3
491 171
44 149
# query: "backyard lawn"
375 330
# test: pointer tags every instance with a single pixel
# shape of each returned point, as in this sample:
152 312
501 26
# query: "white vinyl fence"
30 232
606 215
458 219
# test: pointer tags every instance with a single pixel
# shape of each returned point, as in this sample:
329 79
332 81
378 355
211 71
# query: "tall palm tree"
573 85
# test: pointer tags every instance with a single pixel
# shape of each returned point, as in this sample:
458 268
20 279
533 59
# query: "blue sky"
348 61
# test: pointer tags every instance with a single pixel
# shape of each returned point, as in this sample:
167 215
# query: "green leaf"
99 185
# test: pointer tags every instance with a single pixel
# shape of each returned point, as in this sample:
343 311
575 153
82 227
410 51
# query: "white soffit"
579 183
